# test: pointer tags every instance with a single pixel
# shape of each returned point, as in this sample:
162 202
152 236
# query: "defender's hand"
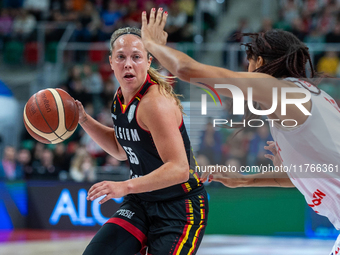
275 157
228 179
153 32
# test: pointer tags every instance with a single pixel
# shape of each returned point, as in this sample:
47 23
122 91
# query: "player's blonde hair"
163 80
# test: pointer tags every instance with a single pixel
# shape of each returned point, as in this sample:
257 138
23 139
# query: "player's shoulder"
155 102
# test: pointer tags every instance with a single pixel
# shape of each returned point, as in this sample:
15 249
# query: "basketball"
51 116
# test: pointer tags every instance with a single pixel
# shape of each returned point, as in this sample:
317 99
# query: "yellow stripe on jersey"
124 107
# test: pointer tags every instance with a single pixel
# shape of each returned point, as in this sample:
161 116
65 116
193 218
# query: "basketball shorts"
154 228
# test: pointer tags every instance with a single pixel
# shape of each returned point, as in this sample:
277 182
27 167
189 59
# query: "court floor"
73 243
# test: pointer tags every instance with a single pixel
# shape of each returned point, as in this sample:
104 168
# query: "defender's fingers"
152 16
159 16
164 18
271 148
144 19
204 176
271 157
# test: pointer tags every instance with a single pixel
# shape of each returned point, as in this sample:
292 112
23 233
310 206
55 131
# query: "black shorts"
172 227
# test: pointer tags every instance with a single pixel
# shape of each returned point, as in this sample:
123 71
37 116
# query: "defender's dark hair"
284 56
283 53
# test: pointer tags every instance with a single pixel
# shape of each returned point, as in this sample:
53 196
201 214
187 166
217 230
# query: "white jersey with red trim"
311 154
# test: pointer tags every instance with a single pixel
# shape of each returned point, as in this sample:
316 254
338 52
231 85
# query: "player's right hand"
82 113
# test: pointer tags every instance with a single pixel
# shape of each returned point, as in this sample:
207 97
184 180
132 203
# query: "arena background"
64 44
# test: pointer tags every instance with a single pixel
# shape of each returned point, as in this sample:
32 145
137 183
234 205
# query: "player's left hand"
154 30
109 188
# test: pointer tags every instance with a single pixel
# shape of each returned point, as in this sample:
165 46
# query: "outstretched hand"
228 179
153 32
275 157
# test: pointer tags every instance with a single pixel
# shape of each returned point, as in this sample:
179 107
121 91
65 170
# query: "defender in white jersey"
277 59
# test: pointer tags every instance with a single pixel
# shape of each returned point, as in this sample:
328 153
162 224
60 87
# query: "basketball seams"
36 101
60 110
74 115
47 136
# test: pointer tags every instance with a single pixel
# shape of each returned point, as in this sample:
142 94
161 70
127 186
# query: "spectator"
6 22
211 143
77 91
82 167
290 11
233 37
111 19
188 6
88 24
256 151
24 159
92 81
64 13
10 170
23 25
334 35
267 24
45 169
132 18
39 8
316 37
237 146
177 24
108 92
61 158
329 63
210 9
298 29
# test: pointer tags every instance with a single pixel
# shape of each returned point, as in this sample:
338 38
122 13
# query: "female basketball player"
165 207
314 142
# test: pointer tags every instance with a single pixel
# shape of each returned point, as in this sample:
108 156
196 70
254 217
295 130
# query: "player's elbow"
183 172
185 70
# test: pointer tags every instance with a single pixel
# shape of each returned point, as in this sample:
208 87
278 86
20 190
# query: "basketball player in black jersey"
165 207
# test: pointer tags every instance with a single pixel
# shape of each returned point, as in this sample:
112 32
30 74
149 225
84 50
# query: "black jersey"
141 150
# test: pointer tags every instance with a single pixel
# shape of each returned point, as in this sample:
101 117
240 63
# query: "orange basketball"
51 116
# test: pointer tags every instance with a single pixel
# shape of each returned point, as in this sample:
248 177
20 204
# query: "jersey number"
132 156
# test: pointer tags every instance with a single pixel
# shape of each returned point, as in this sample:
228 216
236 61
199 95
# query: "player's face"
251 65
254 64
129 61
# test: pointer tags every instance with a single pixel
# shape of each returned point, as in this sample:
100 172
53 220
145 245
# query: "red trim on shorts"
133 230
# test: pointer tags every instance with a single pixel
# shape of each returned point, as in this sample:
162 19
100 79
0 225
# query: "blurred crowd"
95 20
312 21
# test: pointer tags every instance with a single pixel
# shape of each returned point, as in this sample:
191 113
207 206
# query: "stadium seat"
51 52
13 52
98 56
31 53
105 71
